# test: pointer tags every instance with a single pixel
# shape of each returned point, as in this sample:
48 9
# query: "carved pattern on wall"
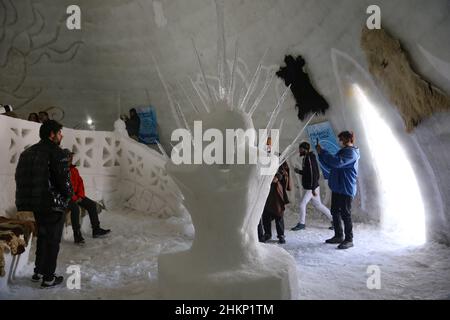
115 168
84 151
22 47
414 97
111 153
18 138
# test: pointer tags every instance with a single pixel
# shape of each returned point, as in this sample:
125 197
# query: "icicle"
277 109
163 152
261 95
233 71
187 96
242 94
199 95
181 113
264 180
169 97
203 73
276 142
221 50
280 129
252 86
292 148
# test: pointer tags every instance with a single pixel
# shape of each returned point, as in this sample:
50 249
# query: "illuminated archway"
402 206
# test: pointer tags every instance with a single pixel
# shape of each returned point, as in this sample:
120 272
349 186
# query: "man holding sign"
342 178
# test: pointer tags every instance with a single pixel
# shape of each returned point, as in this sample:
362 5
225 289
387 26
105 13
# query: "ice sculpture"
226 261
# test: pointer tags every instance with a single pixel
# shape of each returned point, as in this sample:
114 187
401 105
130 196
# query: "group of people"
341 173
40 117
132 121
48 184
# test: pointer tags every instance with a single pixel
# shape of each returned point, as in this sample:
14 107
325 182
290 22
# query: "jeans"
267 225
90 206
341 206
49 232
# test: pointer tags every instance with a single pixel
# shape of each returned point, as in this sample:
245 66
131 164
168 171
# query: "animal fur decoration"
308 100
414 97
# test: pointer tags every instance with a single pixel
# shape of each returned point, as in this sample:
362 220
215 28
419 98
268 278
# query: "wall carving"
23 44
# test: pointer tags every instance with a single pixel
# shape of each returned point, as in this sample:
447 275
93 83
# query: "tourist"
275 204
33 117
43 187
133 125
43 116
342 180
78 200
310 181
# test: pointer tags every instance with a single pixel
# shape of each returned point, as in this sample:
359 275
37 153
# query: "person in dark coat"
133 125
43 116
33 117
342 180
310 181
43 187
275 204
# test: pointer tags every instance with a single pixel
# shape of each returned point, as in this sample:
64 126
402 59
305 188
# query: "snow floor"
124 265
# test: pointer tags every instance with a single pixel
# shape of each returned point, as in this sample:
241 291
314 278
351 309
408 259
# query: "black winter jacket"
310 172
43 179
133 126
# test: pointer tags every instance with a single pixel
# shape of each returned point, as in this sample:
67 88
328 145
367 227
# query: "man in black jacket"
310 182
43 187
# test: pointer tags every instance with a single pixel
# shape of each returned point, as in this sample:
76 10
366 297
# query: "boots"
55 281
299 227
347 244
99 232
335 240
281 240
78 238
36 277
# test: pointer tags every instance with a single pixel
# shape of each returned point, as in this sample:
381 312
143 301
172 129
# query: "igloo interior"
189 231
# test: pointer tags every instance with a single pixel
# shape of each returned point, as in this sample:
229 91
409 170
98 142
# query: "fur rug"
415 98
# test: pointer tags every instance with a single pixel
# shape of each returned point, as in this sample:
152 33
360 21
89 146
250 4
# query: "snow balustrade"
116 170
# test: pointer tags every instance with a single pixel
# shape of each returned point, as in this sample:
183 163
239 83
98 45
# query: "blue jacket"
343 170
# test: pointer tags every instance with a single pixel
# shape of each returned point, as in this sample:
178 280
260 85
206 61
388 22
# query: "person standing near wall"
133 125
342 182
43 116
310 181
275 204
43 187
33 117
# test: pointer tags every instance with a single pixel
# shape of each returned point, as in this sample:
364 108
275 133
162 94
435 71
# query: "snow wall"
115 168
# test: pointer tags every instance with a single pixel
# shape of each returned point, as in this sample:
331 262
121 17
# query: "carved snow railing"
115 168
